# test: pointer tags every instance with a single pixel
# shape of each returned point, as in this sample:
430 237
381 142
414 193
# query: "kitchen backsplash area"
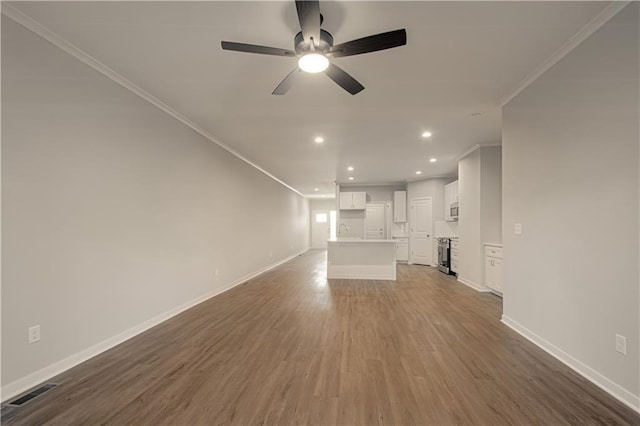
445 229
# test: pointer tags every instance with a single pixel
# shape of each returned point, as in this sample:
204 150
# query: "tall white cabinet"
400 206
450 196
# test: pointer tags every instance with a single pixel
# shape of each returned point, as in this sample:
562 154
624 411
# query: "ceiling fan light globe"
313 63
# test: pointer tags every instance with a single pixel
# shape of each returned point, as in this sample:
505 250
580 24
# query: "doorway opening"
421 225
375 222
323 227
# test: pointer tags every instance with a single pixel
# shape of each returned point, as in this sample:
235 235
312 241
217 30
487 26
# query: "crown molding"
468 151
591 27
475 148
421 178
37 28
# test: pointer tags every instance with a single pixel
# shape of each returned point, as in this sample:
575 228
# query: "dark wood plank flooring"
291 348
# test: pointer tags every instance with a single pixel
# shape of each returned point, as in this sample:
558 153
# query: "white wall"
322 204
570 141
351 224
491 194
316 204
433 188
113 212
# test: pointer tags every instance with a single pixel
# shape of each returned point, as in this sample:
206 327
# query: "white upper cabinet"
400 206
359 200
346 200
353 200
450 196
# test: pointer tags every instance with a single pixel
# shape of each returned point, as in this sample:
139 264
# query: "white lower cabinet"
402 249
455 256
493 268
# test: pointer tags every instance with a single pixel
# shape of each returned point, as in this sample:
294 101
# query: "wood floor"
291 348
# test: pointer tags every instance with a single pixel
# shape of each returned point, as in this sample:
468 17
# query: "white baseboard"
613 389
19 386
473 285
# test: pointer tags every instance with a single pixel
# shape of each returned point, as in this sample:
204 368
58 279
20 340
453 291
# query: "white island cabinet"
352 258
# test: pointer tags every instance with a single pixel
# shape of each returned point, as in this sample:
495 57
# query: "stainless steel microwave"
453 211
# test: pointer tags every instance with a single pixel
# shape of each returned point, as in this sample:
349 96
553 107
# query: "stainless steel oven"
444 255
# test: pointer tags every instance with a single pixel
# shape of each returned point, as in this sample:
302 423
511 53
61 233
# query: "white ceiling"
461 58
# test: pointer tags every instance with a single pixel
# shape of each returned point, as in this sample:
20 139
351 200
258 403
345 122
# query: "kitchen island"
356 258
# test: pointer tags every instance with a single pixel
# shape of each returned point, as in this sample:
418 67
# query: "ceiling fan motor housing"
326 42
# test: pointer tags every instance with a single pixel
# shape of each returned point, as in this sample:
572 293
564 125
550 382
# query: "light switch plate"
517 229
34 333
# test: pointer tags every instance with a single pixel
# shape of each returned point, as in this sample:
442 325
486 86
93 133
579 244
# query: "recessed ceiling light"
316 189
350 168
426 134
319 139
433 160
418 172
350 177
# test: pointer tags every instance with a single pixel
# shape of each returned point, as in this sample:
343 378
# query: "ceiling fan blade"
286 84
309 17
371 43
343 79
253 48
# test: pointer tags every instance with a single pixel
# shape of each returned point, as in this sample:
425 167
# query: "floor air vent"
34 393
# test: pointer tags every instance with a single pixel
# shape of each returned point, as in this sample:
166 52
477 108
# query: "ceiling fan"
314 46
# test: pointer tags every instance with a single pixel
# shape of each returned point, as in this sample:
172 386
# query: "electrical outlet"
517 229
34 333
621 344
270 254
217 272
